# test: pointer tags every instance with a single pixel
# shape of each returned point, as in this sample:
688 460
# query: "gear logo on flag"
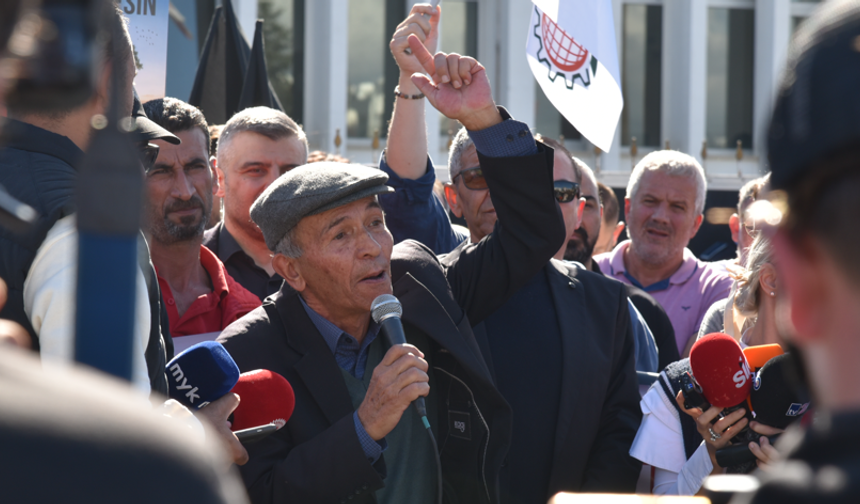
562 55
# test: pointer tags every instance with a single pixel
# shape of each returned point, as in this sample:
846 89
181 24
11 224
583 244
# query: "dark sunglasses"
473 178
148 155
565 191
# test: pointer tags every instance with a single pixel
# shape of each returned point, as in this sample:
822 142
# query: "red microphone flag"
265 397
719 365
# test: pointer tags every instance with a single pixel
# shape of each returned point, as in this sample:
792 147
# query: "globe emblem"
562 50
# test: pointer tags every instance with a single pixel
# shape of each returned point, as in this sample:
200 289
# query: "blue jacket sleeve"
643 342
414 212
372 449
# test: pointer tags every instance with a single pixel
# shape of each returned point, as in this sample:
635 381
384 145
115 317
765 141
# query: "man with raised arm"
560 348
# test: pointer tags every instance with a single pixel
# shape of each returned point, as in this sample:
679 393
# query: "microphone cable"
386 311
437 456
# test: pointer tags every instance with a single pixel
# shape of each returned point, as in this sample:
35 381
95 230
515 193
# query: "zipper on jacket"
487 427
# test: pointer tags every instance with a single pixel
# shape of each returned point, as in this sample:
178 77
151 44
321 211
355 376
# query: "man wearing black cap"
814 153
353 436
39 167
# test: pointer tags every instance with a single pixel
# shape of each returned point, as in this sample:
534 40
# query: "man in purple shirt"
664 205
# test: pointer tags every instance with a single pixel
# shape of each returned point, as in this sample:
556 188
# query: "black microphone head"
385 306
774 401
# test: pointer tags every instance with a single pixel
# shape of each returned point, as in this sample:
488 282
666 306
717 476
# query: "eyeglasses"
148 155
473 178
565 191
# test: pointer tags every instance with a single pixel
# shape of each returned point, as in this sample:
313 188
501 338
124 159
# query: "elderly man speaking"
353 436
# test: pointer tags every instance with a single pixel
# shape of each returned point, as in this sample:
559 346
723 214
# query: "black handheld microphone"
386 311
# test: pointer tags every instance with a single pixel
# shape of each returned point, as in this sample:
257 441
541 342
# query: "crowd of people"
552 356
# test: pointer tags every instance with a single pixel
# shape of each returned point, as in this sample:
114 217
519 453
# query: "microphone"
203 373
774 402
757 356
266 398
720 368
386 311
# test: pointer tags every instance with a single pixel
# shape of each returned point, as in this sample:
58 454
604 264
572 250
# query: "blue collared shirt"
351 357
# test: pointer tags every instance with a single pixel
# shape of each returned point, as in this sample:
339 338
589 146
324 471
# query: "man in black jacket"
353 435
560 348
39 159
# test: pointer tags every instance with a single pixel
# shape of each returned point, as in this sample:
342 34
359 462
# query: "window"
641 74
366 74
459 35
283 35
549 122
730 77
372 73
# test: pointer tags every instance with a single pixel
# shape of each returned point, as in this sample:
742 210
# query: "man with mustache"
199 295
664 204
581 246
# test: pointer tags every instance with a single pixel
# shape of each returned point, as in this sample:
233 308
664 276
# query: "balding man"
664 205
256 146
353 435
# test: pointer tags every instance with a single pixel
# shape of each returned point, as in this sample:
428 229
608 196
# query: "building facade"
697 75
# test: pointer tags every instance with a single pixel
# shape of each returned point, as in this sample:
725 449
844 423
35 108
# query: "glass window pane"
459 35
366 73
730 77
283 61
641 74
548 120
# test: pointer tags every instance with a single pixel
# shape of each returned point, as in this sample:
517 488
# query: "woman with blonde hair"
756 295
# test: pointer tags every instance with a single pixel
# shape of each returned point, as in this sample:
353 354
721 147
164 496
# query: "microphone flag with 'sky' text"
572 52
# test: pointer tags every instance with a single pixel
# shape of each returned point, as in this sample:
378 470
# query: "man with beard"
664 204
580 248
199 294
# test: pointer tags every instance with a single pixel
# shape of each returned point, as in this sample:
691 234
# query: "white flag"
572 53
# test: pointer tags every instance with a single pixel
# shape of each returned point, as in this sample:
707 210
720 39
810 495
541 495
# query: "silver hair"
288 246
461 142
747 298
272 124
672 163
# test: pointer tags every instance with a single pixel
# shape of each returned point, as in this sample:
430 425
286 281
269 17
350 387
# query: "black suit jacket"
317 457
599 408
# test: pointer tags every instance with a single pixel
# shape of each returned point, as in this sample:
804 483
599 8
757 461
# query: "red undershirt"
214 311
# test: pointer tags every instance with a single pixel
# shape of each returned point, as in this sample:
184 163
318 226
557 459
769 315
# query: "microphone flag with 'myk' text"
572 52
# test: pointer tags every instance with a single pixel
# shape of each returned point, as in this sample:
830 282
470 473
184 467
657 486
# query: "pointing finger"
423 55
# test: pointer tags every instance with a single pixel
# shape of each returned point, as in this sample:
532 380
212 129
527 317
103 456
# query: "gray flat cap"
312 189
